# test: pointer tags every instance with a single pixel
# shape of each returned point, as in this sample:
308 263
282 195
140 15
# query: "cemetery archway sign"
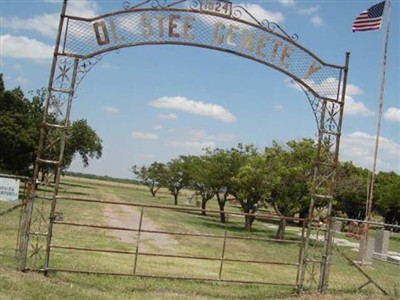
212 24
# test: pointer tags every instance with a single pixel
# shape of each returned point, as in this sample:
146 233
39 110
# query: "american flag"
370 19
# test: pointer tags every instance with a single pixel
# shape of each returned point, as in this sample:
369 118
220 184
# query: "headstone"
198 203
381 243
189 200
365 253
337 226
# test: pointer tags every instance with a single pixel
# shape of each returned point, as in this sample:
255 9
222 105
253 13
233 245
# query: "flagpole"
370 193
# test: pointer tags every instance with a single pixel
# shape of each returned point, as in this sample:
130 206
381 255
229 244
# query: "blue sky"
154 103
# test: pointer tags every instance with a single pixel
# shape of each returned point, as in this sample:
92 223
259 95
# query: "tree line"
279 177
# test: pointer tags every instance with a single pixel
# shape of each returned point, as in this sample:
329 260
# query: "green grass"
16 285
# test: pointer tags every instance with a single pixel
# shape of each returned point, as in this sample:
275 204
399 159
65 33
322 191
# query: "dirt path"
129 217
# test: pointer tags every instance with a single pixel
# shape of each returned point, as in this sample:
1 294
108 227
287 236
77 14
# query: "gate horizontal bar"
92 249
258 215
169 277
179 233
174 256
224 259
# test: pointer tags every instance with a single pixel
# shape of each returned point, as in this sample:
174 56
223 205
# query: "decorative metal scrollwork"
272 26
194 5
58 100
333 110
152 3
63 77
237 12
126 5
158 3
315 102
85 66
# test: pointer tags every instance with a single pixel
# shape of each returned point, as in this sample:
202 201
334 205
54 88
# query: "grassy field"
68 285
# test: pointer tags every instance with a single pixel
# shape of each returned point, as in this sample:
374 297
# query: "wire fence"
366 257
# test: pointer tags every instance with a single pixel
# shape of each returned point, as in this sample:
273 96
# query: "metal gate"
138 248
213 24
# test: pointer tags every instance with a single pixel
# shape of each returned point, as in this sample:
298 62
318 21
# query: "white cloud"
327 88
111 109
157 127
353 90
355 108
47 24
308 11
144 135
392 114
287 3
194 141
167 116
262 14
358 147
194 107
316 20
24 47
83 8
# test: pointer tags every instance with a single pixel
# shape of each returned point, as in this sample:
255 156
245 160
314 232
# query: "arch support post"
319 239
34 236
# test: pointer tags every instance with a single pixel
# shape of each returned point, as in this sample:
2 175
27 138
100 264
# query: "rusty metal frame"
69 67
139 230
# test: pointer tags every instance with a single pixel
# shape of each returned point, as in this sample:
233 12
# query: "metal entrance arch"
213 24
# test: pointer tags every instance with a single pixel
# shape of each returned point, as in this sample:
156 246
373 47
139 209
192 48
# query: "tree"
19 128
224 165
200 173
387 196
177 175
251 186
20 122
153 176
351 190
81 140
291 172
227 179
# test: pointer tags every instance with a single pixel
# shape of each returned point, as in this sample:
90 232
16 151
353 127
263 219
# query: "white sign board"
9 189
